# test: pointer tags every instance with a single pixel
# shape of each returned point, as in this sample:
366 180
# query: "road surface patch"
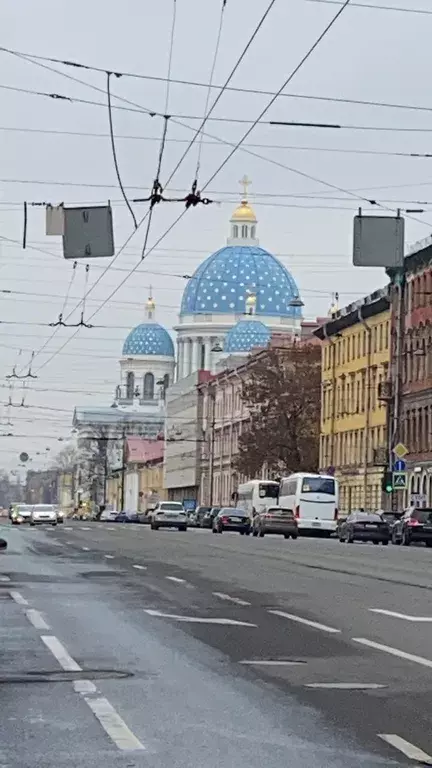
36 619
198 619
404 616
394 651
407 749
347 686
236 600
307 622
61 654
17 596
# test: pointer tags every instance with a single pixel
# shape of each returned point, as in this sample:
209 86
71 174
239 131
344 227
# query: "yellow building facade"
355 362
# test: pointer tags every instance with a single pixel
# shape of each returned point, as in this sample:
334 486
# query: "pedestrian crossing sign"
399 480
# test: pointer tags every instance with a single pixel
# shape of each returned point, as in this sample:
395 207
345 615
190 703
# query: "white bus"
314 500
256 495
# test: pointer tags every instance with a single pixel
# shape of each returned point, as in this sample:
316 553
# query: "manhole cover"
62 676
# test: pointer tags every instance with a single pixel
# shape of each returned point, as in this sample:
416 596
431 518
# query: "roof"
374 304
149 339
141 451
246 335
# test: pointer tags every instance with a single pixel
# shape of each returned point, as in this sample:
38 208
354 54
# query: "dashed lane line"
140 567
114 725
68 528
109 557
228 598
307 622
84 686
175 579
17 596
4 578
394 651
404 616
407 749
347 686
198 619
85 528
36 619
61 654
86 549
270 663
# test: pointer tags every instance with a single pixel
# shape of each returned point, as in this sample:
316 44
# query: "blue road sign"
399 465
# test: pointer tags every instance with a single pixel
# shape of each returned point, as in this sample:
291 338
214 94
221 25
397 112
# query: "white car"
43 513
168 514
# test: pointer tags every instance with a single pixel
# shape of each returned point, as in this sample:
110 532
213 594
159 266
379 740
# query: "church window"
130 385
202 356
148 386
253 232
244 230
235 230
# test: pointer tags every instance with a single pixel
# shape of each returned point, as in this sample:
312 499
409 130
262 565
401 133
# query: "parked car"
108 516
207 521
200 513
414 525
275 520
126 517
231 519
192 518
43 513
168 514
20 514
364 526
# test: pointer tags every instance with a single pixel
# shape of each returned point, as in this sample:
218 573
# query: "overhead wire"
375 7
114 151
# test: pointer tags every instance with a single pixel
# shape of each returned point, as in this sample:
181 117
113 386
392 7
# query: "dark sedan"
207 520
361 526
415 525
231 519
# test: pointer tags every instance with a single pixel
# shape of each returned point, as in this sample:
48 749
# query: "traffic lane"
310 656
351 603
43 722
104 626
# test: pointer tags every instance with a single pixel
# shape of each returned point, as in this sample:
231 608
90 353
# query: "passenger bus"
256 495
314 500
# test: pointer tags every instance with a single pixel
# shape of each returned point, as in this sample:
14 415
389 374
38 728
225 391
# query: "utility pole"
212 396
395 435
123 470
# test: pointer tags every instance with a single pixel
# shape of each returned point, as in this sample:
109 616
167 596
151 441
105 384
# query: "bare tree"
282 393
67 459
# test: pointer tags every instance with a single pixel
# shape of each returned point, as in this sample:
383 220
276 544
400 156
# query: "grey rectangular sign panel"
88 232
379 241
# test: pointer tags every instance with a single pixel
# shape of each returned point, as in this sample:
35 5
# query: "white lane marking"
198 620
347 686
111 529
404 616
300 620
394 651
114 726
408 749
174 578
17 596
84 686
68 528
270 663
84 528
109 557
60 653
236 600
36 619
86 549
140 567
4 578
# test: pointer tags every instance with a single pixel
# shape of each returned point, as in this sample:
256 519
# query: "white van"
314 500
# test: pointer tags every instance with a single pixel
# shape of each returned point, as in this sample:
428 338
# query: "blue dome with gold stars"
149 339
222 282
246 335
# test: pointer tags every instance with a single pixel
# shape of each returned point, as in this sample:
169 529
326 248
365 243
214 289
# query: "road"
122 646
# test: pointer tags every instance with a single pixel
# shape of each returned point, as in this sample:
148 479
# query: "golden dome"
244 212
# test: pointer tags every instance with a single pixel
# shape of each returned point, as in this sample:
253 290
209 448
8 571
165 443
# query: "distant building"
355 362
142 476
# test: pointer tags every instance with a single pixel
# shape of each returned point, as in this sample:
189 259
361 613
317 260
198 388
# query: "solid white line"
114 726
405 616
347 686
198 620
394 651
236 600
308 623
84 686
86 549
408 749
270 663
109 557
140 567
60 653
36 619
17 596
174 578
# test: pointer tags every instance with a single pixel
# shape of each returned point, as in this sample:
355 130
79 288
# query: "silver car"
43 514
169 514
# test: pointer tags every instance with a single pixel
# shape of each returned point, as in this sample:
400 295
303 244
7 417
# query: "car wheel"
3 544
294 536
54 525
32 524
286 535
242 533
214 530
350 539
405 539
261 534
375 542
254 533
247 533
341 539
384 543
155 527
182 527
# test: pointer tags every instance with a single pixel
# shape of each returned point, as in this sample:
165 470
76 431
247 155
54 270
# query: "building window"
253 231
130 385
244 231
235 231
148 386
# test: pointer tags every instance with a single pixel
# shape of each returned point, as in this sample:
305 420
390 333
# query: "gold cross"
245 182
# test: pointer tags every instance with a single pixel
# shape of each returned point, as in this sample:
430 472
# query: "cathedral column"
179 373
187 360
195 354
207 356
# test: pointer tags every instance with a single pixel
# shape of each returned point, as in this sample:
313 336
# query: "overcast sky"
369 55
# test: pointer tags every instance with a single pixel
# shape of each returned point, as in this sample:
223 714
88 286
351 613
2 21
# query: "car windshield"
173 506
318 485
268 490
365 518
422 515
44 508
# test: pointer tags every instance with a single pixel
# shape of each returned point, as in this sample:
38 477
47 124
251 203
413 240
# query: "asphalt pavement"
122 646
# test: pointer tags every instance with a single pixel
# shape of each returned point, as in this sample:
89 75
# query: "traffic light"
387 481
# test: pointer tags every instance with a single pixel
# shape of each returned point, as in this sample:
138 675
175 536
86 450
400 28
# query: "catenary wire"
374 7
114 151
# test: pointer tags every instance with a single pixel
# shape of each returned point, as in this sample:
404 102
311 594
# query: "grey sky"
369 55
